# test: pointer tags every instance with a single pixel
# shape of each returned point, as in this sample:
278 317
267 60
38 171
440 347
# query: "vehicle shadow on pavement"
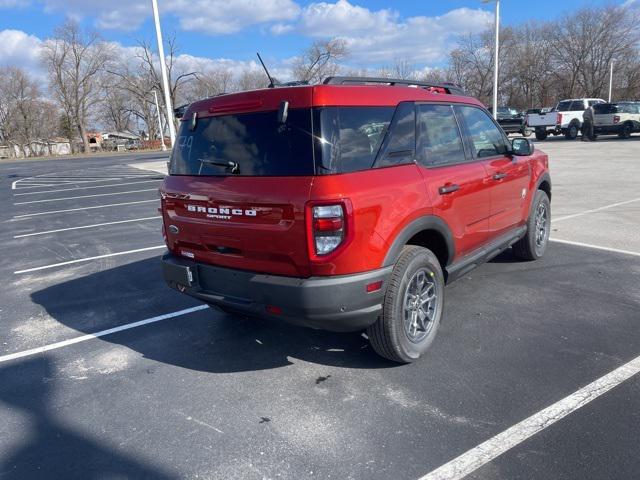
208 340
52 449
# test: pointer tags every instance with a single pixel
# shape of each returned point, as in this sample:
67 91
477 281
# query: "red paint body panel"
265 221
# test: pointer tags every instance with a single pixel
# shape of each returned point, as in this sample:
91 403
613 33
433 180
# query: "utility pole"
495 58
155 96
165 80
611 81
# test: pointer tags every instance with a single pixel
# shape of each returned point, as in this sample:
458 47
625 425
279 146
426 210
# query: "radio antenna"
272 82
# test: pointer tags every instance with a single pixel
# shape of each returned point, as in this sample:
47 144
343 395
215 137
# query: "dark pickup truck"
512 121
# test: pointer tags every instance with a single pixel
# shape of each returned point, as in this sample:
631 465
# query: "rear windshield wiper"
232 166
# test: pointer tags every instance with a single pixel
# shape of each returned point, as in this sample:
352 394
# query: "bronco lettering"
222 211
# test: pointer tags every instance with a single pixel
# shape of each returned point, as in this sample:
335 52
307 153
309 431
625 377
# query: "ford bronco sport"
347 206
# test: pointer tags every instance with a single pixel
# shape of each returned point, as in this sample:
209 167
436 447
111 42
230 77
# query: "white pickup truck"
565 119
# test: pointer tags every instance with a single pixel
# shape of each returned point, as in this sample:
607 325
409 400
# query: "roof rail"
444 87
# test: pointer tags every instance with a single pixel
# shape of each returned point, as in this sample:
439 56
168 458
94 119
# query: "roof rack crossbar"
451 88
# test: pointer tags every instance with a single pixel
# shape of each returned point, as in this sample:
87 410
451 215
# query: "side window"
594 102
577 106
439 141
400 143
486 138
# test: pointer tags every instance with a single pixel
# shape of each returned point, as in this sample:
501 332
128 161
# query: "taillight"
328 229
559 119
616 119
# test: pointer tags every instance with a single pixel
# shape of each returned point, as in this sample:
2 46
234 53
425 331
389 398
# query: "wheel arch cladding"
430 232
544 184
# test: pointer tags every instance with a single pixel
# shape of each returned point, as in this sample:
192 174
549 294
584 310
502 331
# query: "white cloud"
382 36
20 49
215 17
224 16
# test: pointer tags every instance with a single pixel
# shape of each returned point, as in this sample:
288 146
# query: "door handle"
499 176
449 188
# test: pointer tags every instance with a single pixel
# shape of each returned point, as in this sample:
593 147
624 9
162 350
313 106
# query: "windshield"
255 142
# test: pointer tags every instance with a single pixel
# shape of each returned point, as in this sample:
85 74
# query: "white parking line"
596 247
87 226
86 196
50 181
594 210
484 453
84 208
88 259
87 188
102 333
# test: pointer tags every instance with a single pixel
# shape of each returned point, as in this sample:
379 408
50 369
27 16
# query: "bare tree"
74 60
320 60
208 84
251 79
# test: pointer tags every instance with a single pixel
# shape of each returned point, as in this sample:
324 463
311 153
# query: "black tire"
626 131
572 132
391 335
526 132
534 244
541 134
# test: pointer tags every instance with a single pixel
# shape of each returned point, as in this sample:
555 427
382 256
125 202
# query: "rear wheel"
626 131
572 132
541 134
533 245
526 132
412 307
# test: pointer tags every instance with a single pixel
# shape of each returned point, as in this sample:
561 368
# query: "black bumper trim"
336 303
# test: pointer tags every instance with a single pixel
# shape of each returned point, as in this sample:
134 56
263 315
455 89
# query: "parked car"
565 119
621 118
512 121
347 206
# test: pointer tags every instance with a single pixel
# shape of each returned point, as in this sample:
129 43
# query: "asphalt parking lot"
107 373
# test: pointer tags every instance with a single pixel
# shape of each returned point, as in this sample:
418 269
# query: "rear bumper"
338 303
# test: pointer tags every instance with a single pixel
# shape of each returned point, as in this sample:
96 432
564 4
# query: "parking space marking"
81 227
102 333
84 208
596 247
594 210
52 182
487 451
88 259
85 196
87 188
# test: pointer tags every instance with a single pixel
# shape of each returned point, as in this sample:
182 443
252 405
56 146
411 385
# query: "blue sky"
377 32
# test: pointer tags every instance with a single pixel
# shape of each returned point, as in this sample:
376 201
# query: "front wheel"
412 307
526 132
533 245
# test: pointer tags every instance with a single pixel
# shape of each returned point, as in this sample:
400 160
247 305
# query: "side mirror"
283 112
522 147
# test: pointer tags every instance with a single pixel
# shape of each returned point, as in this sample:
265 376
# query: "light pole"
165 81
155 96
495 58
611 80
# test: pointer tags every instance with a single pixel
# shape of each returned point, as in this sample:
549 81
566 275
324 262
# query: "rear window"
605 108
571 106
256 142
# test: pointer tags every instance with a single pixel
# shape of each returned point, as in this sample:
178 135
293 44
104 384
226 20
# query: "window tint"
439 141
256 142
594 102
348 138
487 139
577 106
400 142
605 108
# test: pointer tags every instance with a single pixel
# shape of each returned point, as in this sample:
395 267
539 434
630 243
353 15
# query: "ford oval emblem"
173 229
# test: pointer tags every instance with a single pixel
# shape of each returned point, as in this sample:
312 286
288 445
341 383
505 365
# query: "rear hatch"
239 181
604 114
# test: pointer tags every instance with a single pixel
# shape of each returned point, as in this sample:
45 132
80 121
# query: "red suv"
348 205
